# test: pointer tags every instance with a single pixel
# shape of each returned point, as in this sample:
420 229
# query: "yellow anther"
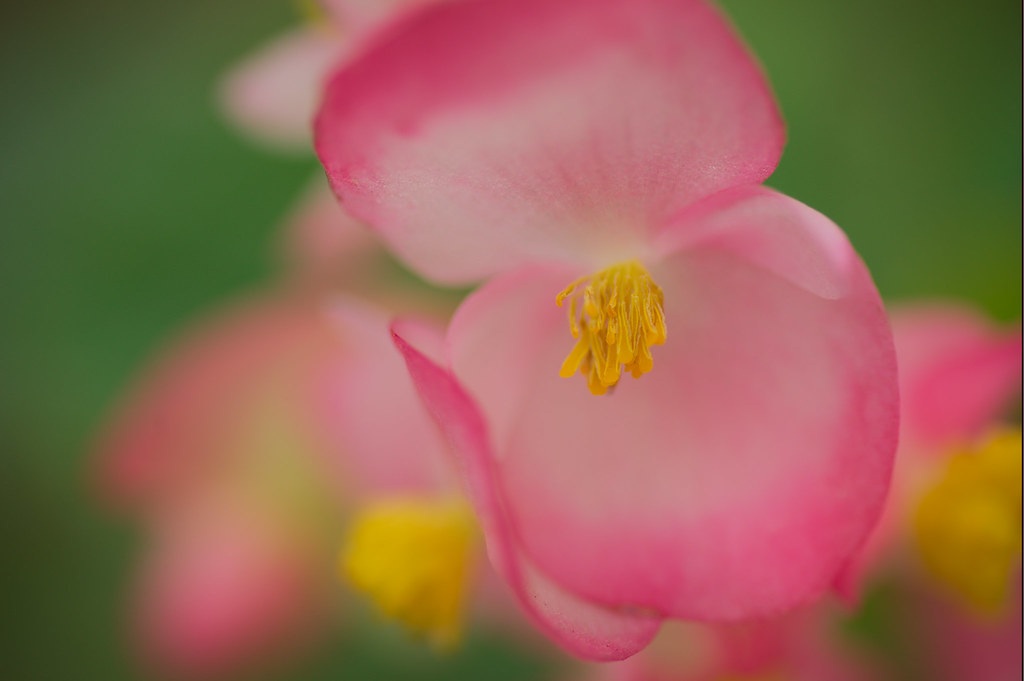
622 316
968 525
413 557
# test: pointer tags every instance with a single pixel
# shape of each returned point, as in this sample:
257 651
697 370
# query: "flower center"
413 557
968 525
622 315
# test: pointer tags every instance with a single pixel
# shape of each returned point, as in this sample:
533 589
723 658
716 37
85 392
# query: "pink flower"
620 146
256 443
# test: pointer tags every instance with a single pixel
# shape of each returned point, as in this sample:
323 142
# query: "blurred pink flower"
620 146
958 375
955 493
213 451
222 585
252 441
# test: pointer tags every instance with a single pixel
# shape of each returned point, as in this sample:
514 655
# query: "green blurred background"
128 206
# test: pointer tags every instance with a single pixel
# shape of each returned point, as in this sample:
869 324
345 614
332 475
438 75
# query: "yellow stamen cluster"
413 557
968 525
621 316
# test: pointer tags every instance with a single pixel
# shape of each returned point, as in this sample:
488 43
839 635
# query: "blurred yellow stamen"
968 525
413 558
621 317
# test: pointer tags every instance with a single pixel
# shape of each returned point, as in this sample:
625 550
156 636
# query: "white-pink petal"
484 135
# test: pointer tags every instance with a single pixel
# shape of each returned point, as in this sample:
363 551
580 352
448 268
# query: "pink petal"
224 590
585 629
957 373
732 481
272 94
484 135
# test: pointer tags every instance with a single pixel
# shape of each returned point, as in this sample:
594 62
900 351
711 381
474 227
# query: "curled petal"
734 479
586 629
484 135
